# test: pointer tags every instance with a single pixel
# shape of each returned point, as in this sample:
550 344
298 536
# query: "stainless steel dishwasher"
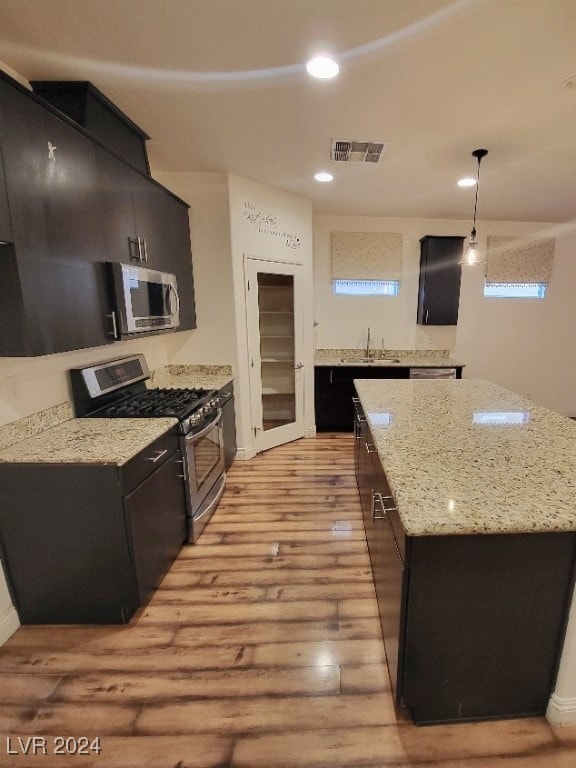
433 373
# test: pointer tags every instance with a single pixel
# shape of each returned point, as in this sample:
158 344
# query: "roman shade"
514 260
366 256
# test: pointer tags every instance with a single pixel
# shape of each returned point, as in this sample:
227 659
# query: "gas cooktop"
179 403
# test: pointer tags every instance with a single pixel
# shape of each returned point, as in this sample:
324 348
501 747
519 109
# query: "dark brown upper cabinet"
90 108
439 284
68 205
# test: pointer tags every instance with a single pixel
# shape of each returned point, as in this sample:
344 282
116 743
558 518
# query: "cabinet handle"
183 475
145 250
331 375
370 448
378 497
383 508
298 366
156 458
426 316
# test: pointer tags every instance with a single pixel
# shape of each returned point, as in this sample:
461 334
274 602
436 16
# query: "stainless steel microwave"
142 300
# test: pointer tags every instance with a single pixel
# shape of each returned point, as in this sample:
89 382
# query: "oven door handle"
207 428
214 501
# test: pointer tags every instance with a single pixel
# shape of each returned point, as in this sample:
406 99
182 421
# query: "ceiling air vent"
356 151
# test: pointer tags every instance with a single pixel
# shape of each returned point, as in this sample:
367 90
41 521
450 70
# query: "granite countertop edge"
54 436
427 474
415 358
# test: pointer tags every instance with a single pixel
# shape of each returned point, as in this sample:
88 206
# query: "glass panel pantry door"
275 347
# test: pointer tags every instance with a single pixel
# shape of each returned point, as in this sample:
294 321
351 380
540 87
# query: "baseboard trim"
9 623
561 712
243 454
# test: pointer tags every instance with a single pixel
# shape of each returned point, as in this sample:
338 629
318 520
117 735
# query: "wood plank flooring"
262 649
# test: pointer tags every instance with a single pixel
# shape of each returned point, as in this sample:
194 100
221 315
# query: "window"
515 290
365 287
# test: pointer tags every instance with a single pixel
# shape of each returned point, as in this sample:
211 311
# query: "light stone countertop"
88 441
54 436
186 376
417 358
468 457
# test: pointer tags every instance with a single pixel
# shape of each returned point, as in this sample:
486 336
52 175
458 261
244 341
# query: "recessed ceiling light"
467 182
323 176
322 67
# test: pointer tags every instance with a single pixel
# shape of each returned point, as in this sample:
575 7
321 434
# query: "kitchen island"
468 495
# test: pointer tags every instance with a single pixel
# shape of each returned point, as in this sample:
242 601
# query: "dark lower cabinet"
229 425
472 625
334 390
90 543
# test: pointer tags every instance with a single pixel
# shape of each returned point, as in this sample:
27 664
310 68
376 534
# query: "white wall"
268 224
524 345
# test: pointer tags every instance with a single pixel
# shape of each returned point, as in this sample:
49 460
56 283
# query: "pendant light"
471 255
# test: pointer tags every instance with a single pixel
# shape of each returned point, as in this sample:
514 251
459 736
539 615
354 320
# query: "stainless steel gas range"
117 389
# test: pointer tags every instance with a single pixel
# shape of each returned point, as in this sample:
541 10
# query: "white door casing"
274 322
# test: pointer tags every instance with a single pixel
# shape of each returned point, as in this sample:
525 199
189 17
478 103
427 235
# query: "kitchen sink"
372 360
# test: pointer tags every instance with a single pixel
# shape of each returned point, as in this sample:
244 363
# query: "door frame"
265 439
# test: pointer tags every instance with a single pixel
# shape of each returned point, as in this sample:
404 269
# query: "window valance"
366 256
519 259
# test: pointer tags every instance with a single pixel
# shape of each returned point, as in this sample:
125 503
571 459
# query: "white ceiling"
220 86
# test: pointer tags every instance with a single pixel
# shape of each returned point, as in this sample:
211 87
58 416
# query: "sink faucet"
368 343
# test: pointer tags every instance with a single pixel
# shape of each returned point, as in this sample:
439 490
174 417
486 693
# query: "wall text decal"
267 224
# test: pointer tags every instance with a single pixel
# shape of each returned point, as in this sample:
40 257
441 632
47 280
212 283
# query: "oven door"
204 455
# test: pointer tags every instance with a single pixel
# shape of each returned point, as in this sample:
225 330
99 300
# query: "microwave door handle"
175 292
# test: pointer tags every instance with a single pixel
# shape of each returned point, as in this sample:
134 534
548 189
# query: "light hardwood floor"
262 649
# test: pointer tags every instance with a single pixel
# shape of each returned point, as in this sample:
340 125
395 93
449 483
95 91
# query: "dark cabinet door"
390 578
161 221
63 544
156 514
5 224
334 390
229 426
439 285
67 206
386 553
50 171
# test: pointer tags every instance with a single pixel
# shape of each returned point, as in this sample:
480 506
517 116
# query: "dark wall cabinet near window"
67 205
458 613
439 285
90 543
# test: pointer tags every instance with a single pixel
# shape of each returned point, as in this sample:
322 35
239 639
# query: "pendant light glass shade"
471 253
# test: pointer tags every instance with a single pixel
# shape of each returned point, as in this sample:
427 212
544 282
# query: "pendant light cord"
478 154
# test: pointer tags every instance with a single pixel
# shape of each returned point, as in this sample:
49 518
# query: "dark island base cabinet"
88 544
472 625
